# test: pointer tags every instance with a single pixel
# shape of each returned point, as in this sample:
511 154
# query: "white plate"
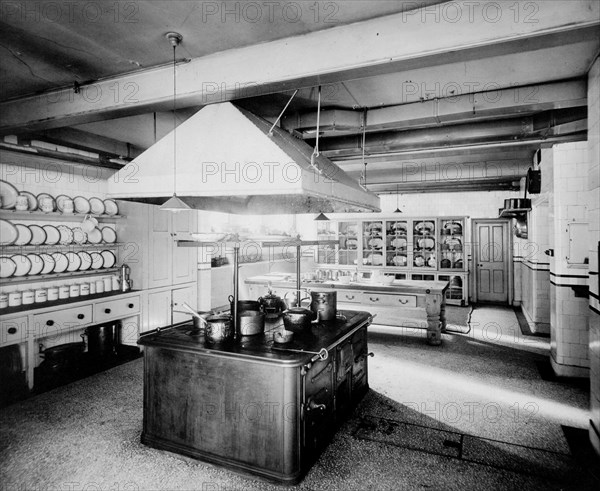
23 264
46 195
74 261
109 235
25 234
7 267
60 200
79 236
9 195
86 260
110 207
97 206
66 235
33 202
37 264
97 260
61 262
81 204
95 236
38 235
48 263
109 259
8 233
52 235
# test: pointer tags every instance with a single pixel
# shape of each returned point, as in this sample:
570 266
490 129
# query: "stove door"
318 410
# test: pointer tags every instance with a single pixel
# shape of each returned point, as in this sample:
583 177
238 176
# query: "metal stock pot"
218 328
325 304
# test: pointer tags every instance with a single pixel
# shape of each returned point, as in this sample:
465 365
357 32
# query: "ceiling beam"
382 45
504 103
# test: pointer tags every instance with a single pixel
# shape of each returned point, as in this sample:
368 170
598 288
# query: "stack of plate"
21 235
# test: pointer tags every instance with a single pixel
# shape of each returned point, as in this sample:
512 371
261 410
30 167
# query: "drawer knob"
80 316
107 311
12 330
350 297
403 302
130 305
376 299
50 323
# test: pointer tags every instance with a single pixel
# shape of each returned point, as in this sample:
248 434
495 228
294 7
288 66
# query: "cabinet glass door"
348 236
326 254
396 243
424 244
373 243
452 244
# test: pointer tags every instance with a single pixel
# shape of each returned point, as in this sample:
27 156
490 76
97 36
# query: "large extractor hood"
227 161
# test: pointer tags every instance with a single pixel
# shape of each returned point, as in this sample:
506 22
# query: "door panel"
180 296
492 261
159 310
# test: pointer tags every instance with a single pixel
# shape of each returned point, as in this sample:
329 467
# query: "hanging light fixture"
397 210
174 204
321 217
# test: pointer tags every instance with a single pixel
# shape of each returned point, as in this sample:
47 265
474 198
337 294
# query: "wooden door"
160 248
491 260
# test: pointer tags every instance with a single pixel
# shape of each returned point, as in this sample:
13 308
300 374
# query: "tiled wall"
594 237
568 203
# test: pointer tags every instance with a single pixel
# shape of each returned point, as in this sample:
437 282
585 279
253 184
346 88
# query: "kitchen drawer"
62 320
389 300
349 297
13 330
116 309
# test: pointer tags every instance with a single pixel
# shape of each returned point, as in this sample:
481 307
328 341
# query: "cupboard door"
180 296
185 259
160 244
159 310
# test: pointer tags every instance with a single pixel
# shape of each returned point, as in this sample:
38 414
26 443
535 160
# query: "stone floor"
481 411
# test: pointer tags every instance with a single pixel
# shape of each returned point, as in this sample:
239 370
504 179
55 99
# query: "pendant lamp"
174 204
397 210
321 217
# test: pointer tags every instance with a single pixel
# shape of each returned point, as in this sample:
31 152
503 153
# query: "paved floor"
477 412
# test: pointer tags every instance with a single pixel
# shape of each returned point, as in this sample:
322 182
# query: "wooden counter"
249 405
405 303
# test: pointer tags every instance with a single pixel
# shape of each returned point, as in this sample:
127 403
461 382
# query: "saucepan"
251 323
299 319
217 328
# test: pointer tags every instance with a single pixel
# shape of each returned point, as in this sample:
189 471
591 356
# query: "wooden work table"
405 303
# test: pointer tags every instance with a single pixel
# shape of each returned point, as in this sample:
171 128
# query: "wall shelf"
55 216
61 247
16 280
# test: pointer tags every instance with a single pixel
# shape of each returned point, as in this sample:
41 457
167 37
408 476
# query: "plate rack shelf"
58 247
55 216
15 280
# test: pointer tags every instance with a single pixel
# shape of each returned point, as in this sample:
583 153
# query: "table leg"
433 305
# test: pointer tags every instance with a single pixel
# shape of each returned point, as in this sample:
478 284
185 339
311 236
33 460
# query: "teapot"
293 300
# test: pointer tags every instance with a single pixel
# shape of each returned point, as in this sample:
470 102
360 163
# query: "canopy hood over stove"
227 161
